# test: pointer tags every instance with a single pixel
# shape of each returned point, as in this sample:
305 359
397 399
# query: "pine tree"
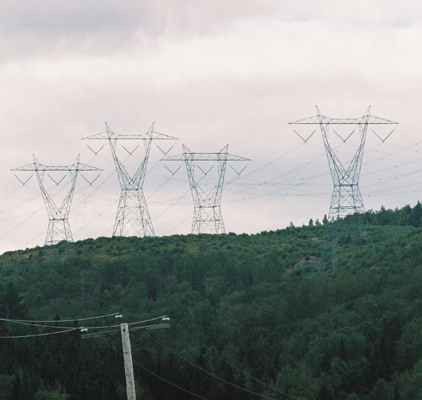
396 390
11 304
324 393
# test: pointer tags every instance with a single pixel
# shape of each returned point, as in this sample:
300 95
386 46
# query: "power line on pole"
127 351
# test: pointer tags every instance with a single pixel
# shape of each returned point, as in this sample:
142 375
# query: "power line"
154 374
39 334
35 324
207 372
62 320
118 326
233 366
64 329
278 187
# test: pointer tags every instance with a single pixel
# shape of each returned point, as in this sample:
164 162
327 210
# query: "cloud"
110 27
76 17
211 74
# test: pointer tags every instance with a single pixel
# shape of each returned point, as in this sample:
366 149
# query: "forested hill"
251 316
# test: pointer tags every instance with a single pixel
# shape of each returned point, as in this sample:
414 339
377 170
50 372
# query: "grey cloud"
156 17
59 18
150 16
28 28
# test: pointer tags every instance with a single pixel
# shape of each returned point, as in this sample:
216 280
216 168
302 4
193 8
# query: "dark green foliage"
324 393
258 301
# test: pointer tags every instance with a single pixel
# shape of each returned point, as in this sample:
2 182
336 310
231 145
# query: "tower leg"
208 219
347 222
57 231
132 215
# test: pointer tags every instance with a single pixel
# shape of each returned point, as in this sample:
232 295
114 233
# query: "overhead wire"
118 325
227 362
153 373
23 222
286 188
39 334
64 320
283 187
78 328
210 373
37 323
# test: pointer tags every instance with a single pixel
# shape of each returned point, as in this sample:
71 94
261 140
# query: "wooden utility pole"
127 356
127 352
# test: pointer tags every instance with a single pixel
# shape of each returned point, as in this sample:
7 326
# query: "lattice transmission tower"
346 199
207 215
132 218
58 225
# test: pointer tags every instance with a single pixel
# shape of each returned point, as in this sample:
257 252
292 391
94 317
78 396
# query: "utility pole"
127 351
127 356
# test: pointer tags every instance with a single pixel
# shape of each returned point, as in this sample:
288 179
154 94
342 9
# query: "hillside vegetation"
252 316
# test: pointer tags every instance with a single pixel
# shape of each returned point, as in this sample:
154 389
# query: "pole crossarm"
207 215
131 330
132 217
127 350
58 225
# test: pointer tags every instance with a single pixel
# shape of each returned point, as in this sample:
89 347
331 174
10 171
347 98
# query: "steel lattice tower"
58 224
346 199
132 216
207 216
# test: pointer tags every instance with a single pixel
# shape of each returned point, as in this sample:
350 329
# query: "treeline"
251 316
403 216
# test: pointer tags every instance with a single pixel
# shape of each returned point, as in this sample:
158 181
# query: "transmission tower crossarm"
36 166
191 156
321 119
86 167
103 136
28 167
109 134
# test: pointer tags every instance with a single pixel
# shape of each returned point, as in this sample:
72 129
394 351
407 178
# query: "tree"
11 306
324 393
51 395
6 386
417 215
396 390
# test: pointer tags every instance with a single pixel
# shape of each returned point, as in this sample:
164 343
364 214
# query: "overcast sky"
210 74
